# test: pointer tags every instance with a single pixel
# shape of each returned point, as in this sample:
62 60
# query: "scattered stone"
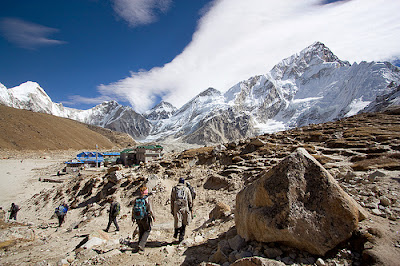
376 212
216 182
94 241
220 211
374 175
169 249
272 253
112 253
199 239
257 261
243 254
219 257
236 243
384 201
320 262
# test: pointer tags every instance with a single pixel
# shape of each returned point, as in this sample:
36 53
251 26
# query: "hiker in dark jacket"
13 211
61 212
142 213
113 213
181 208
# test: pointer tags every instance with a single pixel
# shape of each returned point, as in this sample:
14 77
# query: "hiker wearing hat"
143 215
181 207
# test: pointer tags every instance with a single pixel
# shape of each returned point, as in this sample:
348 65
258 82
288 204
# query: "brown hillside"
26 130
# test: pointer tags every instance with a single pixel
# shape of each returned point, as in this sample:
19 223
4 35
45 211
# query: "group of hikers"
182 197
14 209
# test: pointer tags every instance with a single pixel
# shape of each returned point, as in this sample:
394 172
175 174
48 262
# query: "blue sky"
137 52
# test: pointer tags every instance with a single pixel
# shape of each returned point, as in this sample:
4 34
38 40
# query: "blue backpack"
139 208
60 210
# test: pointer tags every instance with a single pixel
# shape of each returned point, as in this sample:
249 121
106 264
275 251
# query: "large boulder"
297 203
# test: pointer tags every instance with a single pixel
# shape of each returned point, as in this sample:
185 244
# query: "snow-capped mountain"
163 110
31 96
312 86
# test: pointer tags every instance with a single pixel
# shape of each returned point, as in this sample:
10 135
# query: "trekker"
142 213
61 212
181 208
113 213
13 211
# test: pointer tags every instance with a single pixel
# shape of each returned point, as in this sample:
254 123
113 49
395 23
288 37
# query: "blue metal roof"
90 156
112 153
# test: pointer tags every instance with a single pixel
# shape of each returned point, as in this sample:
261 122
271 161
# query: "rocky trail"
361 153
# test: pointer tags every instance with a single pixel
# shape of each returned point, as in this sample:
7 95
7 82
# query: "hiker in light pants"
181 208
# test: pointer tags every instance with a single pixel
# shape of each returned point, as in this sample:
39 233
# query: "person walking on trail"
61 212
181 208
13 211
113 213
142 213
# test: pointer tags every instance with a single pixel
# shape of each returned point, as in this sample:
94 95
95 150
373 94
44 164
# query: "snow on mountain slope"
111 115
163 110
29 96
313 86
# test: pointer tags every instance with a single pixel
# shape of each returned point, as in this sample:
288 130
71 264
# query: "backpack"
60 210
180 196
15 208
139 208
116 209
192 191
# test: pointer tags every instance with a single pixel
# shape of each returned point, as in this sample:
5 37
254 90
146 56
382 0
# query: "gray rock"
243 254
384 201
257 261
376 212
224 246
237 242
272 253
219 257
232 256
374 175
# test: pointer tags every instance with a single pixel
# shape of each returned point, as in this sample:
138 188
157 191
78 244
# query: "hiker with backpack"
143 215
13 211
113 213
61 212
181 208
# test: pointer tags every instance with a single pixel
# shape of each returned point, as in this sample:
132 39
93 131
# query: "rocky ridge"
360 152
312 86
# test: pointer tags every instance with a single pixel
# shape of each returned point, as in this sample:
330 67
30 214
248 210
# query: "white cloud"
139 12
73 99
26 34
238 39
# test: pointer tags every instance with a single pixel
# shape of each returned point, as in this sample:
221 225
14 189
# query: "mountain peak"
162 110
295 65
210 92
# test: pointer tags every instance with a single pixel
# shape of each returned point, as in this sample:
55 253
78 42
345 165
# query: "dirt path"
19 179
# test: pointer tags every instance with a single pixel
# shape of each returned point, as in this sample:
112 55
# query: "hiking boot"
105 230
176 232
141 250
